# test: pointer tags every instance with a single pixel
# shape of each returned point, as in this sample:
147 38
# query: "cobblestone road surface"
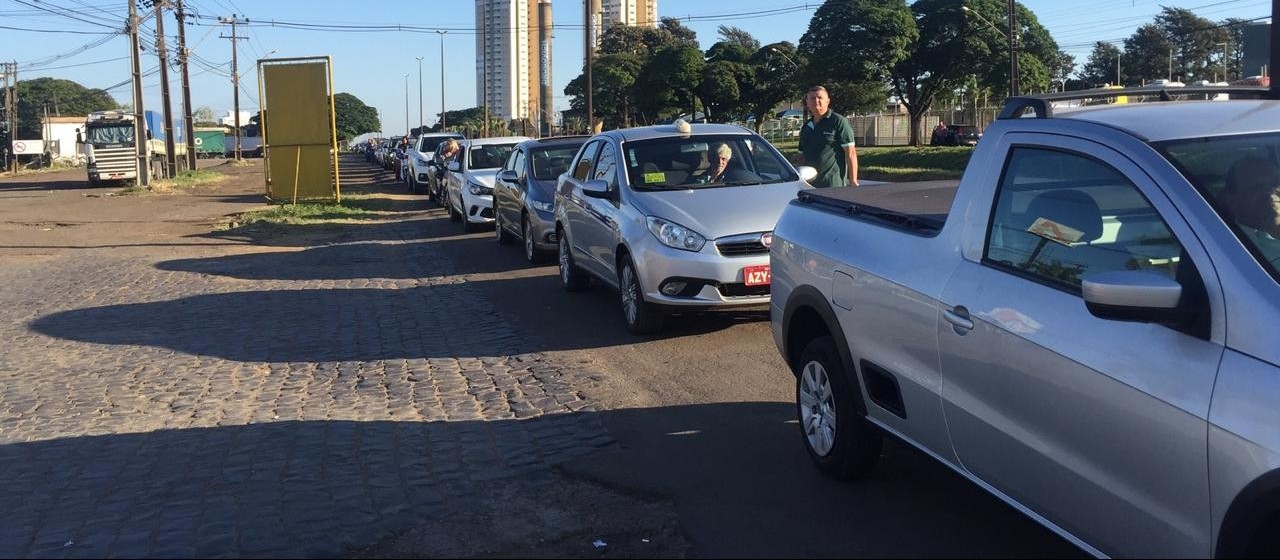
264 402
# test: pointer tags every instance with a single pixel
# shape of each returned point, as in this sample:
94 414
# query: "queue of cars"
1082 326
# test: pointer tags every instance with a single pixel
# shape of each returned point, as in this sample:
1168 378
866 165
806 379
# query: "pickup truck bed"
919 206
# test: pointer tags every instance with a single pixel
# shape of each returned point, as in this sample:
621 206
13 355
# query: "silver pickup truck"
1087 325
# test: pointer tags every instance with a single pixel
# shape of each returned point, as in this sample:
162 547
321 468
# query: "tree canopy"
353 117
62 97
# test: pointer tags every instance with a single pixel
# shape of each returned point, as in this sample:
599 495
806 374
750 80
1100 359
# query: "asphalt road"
705 414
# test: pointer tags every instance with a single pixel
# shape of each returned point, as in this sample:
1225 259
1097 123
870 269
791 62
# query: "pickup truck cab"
1084 325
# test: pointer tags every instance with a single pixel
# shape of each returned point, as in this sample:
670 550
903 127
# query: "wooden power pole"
183 55
140 139
171 158
235 72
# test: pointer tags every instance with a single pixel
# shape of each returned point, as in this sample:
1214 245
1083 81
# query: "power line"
75 32
68 13
82 64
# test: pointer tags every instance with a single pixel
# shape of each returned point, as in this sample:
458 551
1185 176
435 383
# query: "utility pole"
1118 70
406 105
9 71
183 54
443 121
1013 49
235 72
588 47
421 123
171 158
140 140
484 63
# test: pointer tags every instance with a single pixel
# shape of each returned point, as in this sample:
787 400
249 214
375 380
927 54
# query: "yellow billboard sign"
299 136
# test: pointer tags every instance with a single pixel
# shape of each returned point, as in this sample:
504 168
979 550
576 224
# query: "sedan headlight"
479 190
547 207
675 235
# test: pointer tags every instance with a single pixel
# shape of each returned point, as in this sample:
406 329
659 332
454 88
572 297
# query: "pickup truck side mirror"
807 173
597 188
1134 295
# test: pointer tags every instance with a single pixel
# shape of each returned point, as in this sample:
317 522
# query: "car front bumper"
711 279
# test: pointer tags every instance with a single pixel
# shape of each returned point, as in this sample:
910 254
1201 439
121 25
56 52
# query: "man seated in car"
719 171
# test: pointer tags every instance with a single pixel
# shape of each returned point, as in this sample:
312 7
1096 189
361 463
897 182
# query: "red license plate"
756 275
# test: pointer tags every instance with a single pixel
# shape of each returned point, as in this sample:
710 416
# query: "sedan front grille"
742 245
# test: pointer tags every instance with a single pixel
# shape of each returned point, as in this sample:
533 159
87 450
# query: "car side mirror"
79 137
455 167
149 137
1134 295
509 176
597 188
807 173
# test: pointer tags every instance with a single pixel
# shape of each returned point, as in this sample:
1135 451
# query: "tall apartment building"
636 13
515 39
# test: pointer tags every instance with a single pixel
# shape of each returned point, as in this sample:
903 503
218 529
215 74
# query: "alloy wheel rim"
629 295
817 408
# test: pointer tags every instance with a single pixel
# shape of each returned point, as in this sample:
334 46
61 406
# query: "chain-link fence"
886 129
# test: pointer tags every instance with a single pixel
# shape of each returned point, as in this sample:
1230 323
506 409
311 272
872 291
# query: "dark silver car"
524 193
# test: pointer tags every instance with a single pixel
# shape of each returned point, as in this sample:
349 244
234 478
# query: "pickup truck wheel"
840 441
571 279
453 214
640 315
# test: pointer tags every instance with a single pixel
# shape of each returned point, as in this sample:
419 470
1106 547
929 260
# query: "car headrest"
1070 208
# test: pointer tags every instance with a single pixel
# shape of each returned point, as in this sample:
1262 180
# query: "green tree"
670 81
1196 42
933 65
1037 51
204 116
1235 47
737 36
353 117
1147 55
1064 66
1100 69
63 97
851 45
776 69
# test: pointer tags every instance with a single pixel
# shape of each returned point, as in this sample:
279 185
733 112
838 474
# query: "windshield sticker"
1054 231
655 177
632 155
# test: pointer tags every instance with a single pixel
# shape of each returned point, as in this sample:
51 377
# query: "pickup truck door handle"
958 316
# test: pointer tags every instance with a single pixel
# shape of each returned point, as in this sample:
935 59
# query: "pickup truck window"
1061 216
1240 177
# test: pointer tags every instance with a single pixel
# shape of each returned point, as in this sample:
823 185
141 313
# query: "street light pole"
1013 49
420 121
406 104
1224 61
443 122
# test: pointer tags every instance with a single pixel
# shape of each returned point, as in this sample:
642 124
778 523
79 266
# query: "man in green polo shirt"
826 143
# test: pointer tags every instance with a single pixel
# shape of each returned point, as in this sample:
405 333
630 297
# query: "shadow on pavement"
490 489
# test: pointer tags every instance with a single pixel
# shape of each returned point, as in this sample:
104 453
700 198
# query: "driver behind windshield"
719 170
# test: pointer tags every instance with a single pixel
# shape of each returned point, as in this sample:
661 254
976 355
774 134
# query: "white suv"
420 169
469 184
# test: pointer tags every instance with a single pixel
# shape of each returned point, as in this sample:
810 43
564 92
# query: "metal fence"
890 129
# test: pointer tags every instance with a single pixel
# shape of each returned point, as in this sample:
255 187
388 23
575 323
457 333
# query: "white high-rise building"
511 64
636 13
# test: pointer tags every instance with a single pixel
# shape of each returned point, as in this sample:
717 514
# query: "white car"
469 183
420 168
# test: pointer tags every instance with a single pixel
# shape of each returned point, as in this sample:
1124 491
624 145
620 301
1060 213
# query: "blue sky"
372 65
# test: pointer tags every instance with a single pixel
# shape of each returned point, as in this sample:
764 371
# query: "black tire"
413 184
572 279
640 316
531 252
453 213
500 233
855 445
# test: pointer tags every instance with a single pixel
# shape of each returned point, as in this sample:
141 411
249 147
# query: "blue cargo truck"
110 147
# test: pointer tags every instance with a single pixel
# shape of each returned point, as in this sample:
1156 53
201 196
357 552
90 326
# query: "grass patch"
353 208
184 180
55 167
902 163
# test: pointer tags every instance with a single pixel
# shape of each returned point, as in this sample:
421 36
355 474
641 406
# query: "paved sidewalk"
265 401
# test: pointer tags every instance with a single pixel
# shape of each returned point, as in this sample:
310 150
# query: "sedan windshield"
551 162
1240 176
113 134
490 156
705 161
